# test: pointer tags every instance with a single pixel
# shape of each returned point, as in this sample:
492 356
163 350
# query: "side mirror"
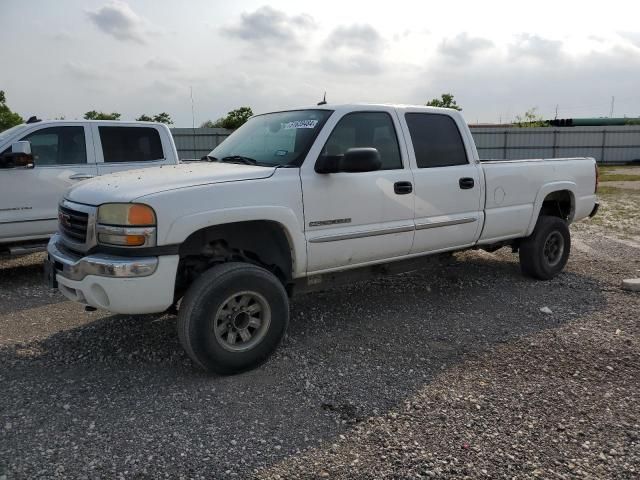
20 156
23 147
354 160
361 160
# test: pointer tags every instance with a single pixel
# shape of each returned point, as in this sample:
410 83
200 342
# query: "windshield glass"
11 131
281 138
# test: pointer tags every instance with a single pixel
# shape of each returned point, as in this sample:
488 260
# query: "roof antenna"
33 119
324 99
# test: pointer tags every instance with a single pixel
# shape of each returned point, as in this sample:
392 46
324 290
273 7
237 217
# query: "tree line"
236 118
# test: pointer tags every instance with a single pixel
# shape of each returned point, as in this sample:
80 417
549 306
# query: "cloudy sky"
64 57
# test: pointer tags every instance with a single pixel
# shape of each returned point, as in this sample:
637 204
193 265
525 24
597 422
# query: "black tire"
208 300
537 258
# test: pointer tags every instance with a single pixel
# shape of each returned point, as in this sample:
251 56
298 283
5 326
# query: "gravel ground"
451 372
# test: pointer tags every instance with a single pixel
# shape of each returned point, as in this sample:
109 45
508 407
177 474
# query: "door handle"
402 188
466 183
80 176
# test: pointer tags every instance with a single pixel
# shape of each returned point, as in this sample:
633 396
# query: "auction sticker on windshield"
300 124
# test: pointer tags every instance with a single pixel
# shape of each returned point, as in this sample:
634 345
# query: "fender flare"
183 227
542 193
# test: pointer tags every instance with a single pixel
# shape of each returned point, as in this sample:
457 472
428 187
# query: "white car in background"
40 160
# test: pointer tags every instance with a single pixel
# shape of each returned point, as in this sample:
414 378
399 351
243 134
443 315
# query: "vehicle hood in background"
128 185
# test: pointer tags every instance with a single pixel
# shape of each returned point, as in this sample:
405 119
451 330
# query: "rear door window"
130 144
436 140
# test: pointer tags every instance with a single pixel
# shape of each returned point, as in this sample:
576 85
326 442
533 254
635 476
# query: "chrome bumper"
75 267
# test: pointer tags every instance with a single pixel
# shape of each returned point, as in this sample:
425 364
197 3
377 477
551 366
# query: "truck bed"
517 188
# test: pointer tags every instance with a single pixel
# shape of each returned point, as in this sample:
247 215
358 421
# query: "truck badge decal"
14 209
65 219
336 221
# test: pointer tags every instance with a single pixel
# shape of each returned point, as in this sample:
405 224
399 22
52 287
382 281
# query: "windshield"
11 131
281 138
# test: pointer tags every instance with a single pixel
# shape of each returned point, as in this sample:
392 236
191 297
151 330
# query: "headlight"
126 224
134 214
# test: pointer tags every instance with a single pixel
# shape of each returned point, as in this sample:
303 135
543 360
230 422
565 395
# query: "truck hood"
129 185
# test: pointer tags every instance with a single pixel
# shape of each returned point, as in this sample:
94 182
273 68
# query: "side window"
366 129
58 146
130 144
436 140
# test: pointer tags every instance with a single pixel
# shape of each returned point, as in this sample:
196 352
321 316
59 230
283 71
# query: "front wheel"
233 317
545 253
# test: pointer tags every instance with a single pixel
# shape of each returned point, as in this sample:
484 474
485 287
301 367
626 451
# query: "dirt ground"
464 370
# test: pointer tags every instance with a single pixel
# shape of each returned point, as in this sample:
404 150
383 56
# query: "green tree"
234 119
8 118
446 100
93 115
163 117
530 119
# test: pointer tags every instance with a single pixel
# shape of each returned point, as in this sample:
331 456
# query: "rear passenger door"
448 185
127 147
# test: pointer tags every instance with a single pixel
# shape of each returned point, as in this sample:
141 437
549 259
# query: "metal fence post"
504 147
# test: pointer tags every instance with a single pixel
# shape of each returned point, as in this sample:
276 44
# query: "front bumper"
129 285
595 210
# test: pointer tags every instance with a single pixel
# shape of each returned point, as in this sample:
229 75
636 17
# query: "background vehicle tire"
233 317
545 253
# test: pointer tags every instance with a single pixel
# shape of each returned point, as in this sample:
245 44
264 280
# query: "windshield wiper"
239 159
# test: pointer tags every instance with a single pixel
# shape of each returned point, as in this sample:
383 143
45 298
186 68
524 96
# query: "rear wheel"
233 317
545 253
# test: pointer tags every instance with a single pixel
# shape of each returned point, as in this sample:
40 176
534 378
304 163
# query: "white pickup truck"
40 160
300 200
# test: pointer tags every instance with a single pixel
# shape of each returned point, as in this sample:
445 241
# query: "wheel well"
262 243
558 204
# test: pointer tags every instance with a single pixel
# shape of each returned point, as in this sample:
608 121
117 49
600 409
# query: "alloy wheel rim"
241 321
553 248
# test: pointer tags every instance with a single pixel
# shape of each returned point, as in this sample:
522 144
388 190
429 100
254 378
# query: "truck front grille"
73 224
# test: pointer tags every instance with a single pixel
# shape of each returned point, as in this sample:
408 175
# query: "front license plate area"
50 274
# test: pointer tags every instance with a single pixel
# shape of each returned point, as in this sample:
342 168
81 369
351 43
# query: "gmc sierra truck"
39 161
301 200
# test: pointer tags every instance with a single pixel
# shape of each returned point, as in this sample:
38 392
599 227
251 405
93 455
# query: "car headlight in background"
126 224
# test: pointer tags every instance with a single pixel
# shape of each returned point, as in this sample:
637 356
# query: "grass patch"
604 190
613 168
618 177
619 211
607 190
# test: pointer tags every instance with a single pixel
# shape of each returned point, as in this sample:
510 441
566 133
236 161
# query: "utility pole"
193 123
556 117
613 100
193 116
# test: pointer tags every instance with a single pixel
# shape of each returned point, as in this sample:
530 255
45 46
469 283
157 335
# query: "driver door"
357 218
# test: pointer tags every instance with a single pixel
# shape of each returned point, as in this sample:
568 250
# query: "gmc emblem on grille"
65 220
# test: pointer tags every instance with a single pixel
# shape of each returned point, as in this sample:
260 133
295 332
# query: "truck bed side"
516 190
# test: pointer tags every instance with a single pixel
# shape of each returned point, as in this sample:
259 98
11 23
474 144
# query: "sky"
61 58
